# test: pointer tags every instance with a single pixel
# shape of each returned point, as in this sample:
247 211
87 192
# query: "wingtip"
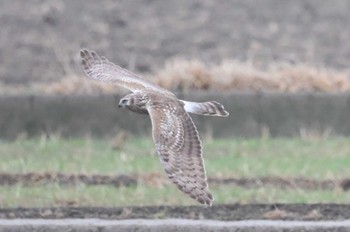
94 55
84 63
86 53
206 203
82 53
206 200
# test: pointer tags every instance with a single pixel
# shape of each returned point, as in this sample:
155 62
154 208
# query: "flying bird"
174 133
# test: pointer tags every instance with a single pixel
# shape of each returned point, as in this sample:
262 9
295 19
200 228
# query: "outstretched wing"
179 148
100 68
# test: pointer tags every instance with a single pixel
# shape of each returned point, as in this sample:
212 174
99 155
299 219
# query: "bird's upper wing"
179 148
100 68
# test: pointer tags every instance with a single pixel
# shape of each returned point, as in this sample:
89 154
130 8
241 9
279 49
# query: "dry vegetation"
230 75
235 75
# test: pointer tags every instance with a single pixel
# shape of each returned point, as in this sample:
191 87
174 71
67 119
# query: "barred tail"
211 108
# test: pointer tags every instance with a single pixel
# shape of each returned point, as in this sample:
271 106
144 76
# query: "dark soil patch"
29 179
65 179
280 182
216 212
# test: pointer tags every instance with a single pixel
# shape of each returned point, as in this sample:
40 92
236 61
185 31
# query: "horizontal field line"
152 179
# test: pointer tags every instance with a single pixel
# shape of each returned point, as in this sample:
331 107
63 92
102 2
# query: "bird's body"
174 133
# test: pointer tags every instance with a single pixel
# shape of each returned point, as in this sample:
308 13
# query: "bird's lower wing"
180 151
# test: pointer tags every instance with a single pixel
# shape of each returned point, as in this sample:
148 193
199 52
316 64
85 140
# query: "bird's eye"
124 101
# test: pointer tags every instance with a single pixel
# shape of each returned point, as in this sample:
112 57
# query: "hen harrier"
174 133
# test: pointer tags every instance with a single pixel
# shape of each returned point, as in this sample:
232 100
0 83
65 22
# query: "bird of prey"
174 133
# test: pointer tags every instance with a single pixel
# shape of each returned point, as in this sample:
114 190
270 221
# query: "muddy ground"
216 212
30 179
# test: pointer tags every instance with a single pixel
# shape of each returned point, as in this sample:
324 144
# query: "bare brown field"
158 180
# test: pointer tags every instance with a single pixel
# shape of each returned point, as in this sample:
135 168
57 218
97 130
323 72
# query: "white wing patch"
190 106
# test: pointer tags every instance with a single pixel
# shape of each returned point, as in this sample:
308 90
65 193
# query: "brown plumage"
174 133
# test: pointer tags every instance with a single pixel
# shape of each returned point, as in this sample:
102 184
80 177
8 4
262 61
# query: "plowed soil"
157 179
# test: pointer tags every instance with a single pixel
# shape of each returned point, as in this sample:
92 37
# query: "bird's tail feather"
211 108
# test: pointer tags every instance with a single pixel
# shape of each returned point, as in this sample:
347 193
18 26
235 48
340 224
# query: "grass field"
311 158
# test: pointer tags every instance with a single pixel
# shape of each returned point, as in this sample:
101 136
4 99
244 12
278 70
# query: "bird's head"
125 101
134 99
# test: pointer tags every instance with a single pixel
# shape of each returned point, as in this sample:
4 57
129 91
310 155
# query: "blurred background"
281 68
40 40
